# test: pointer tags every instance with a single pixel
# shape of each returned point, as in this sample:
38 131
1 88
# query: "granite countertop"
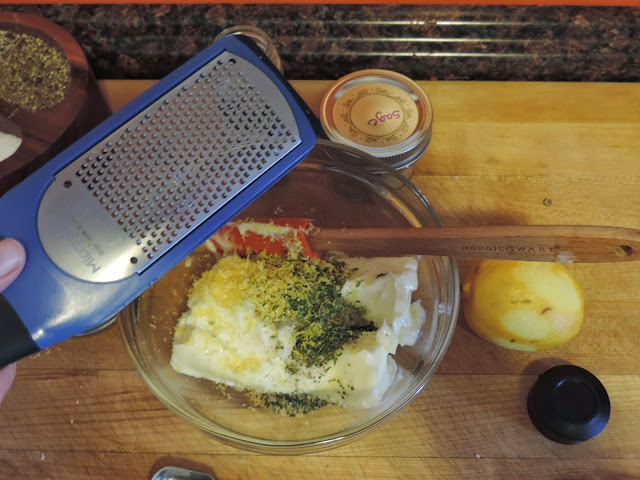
555 43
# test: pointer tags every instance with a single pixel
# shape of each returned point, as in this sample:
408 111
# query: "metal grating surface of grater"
165 171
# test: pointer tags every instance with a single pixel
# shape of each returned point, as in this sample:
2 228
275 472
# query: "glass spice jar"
260 38
380 112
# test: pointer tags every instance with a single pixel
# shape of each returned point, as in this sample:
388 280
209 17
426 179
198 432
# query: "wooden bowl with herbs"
43 89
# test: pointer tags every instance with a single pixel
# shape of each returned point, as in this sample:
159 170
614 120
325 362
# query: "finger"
7 374
12 260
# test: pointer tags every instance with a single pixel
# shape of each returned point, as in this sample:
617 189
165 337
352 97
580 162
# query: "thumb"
7 375
12 260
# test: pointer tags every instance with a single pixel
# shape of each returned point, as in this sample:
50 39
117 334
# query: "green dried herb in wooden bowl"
35 75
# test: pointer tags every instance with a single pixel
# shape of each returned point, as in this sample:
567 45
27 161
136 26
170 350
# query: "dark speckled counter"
327 41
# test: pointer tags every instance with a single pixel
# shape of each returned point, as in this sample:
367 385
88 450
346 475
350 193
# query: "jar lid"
568 404
380 112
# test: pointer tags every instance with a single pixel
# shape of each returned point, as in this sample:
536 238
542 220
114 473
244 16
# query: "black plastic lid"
568 404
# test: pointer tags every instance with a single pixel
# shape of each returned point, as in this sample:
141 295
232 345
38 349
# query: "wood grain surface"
501 154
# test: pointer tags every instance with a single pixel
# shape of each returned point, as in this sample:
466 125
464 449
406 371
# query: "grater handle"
44 305
16 342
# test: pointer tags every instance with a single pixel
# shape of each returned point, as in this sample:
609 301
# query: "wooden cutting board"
502 153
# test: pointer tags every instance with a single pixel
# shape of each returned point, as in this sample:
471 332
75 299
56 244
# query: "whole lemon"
522 305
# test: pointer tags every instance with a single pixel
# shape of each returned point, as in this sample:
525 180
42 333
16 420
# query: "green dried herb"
35 76
287 404
307 292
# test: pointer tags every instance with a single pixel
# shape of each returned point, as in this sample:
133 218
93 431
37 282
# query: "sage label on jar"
376 114
380 112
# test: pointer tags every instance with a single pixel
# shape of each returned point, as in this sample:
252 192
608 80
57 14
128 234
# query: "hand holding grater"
115 211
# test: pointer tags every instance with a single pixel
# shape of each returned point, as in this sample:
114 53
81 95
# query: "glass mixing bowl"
335 186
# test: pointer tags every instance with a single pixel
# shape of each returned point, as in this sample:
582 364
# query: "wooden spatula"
543 243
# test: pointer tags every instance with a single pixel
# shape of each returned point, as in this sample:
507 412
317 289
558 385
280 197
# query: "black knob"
568 404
